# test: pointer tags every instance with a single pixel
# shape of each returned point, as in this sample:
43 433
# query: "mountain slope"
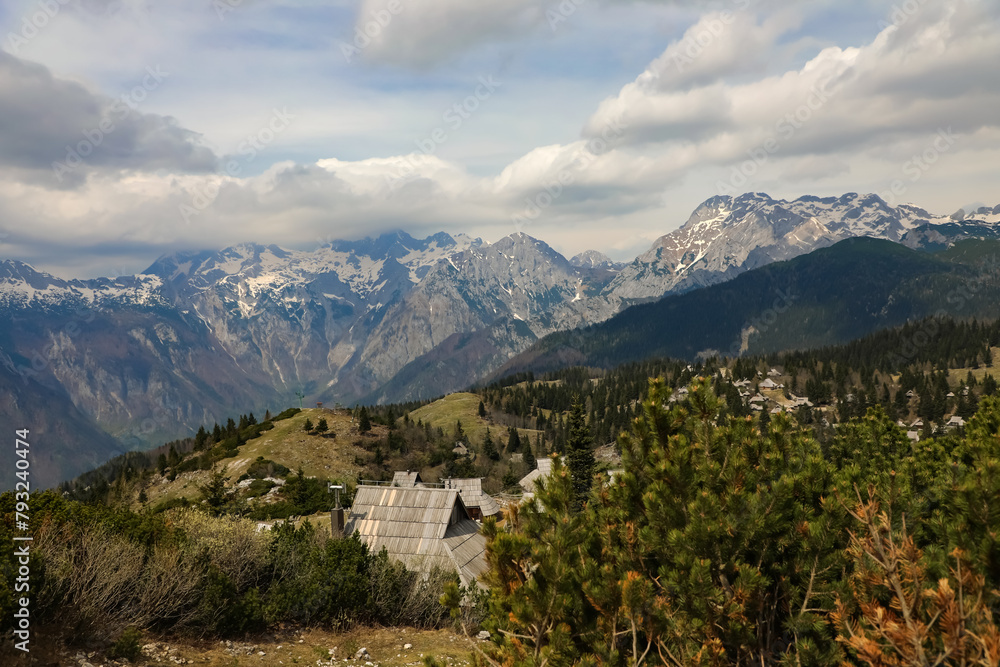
726 236
831 295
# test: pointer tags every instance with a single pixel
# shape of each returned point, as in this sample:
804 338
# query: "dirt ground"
386 647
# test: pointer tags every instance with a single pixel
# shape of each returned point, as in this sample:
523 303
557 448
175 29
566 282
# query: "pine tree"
529 456
535 580
580 456
322 426
482 410
214 491
201 438
308 426
513 441
364 422
489 448
715 546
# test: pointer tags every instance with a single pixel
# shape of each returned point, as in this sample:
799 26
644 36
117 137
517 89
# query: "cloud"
55 131
425 32
719 46
906 81
841 115
422 33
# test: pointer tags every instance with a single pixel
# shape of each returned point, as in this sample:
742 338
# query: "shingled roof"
471 490
422 527
544 469
407 479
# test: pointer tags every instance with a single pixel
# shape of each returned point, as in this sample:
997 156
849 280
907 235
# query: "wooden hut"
424 528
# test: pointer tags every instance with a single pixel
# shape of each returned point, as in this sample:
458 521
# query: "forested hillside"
831 296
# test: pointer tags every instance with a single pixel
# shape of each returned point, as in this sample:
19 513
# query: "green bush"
259 487
224 610
329 582
128 647
290 412
171 504
7 574
262 468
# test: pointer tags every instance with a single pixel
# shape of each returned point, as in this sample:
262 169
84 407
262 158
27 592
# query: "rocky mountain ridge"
151 356
726 236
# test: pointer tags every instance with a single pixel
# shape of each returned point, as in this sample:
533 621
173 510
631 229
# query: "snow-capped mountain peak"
728 235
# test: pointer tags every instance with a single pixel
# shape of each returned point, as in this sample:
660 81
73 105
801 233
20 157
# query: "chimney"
337 522
337 513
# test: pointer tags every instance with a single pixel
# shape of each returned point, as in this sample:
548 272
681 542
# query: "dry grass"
957 375
288 444
445 412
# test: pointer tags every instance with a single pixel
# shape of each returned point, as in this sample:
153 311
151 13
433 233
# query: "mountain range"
133 361
830 296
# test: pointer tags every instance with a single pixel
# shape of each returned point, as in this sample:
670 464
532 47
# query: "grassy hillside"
287 444
464 406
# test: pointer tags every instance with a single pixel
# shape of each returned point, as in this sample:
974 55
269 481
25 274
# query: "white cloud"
645 157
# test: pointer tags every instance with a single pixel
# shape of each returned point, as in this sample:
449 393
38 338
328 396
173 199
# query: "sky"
130 129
